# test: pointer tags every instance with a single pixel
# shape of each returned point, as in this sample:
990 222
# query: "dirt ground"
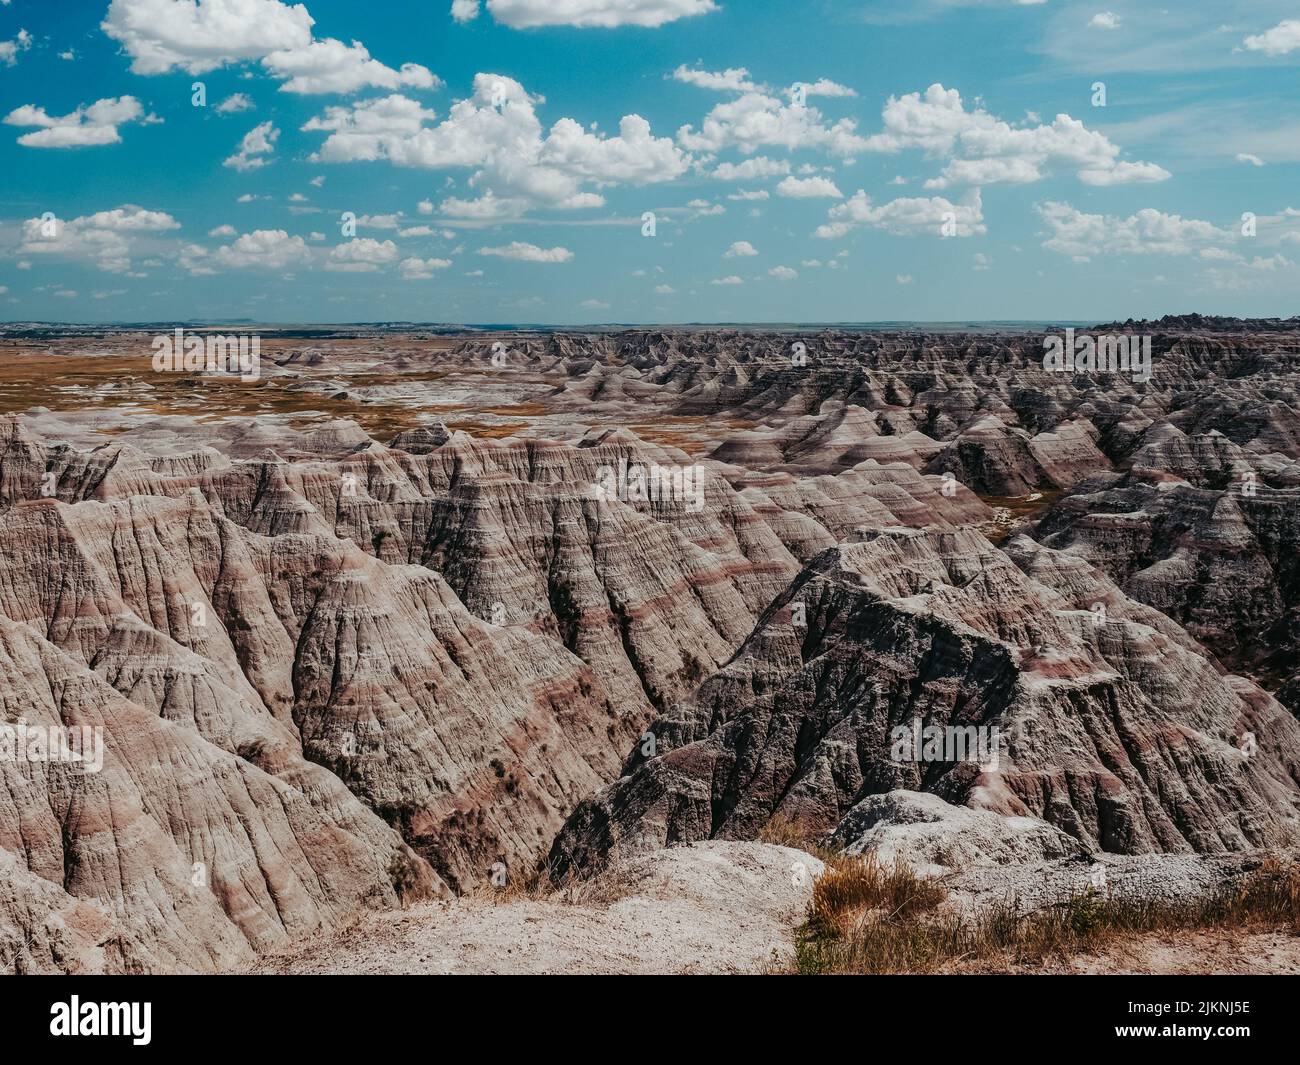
1219 952
708 908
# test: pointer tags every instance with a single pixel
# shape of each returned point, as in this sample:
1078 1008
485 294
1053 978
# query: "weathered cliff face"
652 593
996 459
1203 523
471 739
431 654
177 855
1222 562
1114 727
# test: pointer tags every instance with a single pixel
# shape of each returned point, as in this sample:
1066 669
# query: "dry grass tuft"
854 891
783 831
1271 895
527 885
871 919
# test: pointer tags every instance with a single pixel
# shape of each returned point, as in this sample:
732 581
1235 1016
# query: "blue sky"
815 161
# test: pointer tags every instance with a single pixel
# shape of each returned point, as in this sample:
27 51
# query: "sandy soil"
1219 952
708 908
1190 953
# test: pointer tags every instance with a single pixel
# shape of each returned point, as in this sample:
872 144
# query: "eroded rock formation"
337 670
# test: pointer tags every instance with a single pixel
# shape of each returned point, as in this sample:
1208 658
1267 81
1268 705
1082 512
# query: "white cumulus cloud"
808 188
733 79
9 49
234 103
497 135
906 217
1146 232
361 255
983 150
332 66
756 168
105 239
824 87
162 35
88 125
756 120
415 269
529 253
606 14
256 143
265 249
1281 39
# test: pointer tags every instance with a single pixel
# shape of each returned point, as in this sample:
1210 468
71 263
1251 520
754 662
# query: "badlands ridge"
375 631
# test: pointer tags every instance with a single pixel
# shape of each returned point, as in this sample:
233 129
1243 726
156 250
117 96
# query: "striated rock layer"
334 674
1112 725
429 653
